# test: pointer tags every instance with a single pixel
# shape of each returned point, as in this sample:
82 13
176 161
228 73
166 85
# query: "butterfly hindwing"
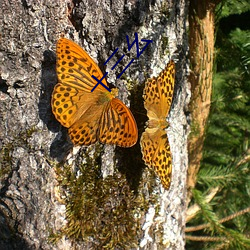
84 133
69 104
156 154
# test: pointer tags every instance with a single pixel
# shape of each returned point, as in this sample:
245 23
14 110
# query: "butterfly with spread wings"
89 116
158 94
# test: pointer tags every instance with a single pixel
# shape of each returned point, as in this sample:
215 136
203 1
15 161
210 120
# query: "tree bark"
54 196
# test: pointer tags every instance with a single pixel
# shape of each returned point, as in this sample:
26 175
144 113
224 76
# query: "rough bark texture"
201 40
32 142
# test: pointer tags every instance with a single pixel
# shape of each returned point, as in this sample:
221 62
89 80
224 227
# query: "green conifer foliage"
226 159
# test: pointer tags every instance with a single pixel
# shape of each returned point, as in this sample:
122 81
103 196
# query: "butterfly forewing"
75 67
63 105
166 87
158 92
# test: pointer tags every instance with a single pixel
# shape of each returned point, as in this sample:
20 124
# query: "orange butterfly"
90 116
158 93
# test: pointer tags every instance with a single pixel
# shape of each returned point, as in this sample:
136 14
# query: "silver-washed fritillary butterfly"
158 93
89 116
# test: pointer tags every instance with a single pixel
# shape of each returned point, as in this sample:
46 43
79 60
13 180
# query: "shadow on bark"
61 145
9 239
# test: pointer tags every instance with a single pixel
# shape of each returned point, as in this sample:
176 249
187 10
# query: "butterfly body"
89 116
158 93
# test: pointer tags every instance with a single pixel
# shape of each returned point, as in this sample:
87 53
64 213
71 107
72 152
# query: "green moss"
5 161
28 133
164 10
131 84
105 212
164 45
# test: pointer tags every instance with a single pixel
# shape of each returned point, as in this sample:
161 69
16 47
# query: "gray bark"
35 148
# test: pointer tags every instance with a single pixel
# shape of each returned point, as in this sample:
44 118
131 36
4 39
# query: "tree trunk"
54 195
201 40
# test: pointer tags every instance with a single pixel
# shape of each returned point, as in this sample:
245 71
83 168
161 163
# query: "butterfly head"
114 92
106 96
